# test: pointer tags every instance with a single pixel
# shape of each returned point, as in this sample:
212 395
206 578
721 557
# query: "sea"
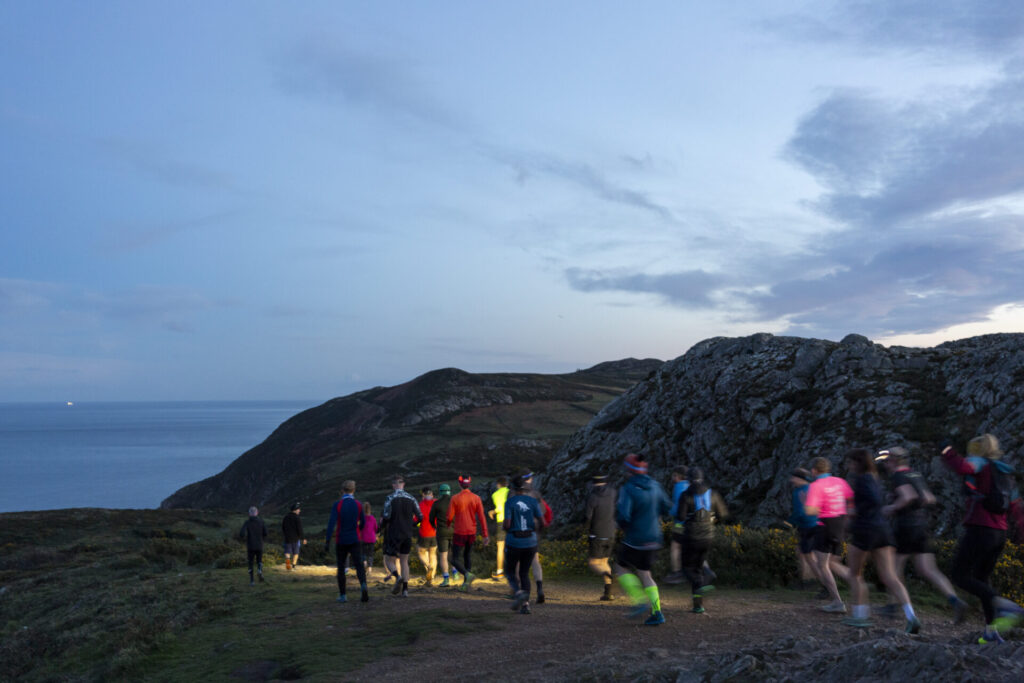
123 455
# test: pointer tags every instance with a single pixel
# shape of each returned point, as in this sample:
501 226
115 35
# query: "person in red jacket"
985 529
465 512
426 544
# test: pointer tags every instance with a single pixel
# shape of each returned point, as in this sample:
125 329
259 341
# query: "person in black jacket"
600 523
253 532
698 510
291 528
438 518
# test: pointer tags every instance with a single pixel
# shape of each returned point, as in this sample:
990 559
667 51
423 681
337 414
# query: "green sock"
652 595
634 589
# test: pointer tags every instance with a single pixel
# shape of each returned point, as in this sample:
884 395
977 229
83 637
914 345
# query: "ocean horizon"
123 454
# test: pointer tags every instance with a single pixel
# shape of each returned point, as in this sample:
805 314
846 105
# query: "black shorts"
499 534
444 543
871 538
397 545
634 558
829 535
426 542
600 548
913 540
368 551
806 538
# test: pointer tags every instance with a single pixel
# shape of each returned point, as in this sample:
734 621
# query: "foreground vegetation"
163 595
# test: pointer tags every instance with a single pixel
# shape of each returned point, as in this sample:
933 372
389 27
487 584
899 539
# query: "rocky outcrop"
750 409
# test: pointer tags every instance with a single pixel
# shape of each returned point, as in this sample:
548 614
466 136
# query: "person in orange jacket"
465 512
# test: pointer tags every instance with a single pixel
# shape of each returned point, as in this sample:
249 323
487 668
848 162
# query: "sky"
271 200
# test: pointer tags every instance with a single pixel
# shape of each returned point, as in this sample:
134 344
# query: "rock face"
748 410
430 429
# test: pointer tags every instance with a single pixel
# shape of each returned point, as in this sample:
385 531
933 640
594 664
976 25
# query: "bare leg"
442 559
858 589
926 567
884 564
390 564
501 557
404 560
825 575
675 556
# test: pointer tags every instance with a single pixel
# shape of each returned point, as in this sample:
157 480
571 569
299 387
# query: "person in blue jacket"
805 524
346 520
642 504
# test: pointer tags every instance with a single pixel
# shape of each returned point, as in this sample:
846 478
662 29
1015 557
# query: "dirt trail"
745 635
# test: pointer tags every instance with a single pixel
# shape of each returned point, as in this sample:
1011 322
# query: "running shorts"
397 545
871 538
830 534
292 548
426 542
368 552
914 540
499 534
635 558
806 538
444 543
600 548
463 539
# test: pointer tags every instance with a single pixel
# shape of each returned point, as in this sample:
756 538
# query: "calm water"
123 455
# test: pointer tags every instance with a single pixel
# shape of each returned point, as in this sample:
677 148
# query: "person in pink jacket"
368 537
828 497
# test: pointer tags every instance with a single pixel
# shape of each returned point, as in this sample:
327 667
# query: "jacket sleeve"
955 462
624 510
482 516
263 529
332 521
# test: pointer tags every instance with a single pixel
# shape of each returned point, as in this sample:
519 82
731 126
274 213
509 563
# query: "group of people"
893 528
827 510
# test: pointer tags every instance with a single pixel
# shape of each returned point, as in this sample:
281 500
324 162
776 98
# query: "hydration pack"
1000 492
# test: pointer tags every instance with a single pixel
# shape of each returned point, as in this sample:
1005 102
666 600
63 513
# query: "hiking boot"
342 598
655 619
959 611
835 608
525 609
857 622
913 626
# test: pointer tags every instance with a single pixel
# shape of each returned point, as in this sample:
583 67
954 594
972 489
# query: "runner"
991 497
291 529
642 503
870 536
907 508
498 499
439 520
698 509
401 515
522 518
347 515
805 525
426 544
827 499
368 537
600 523
253 532
465 512
538 572
675 558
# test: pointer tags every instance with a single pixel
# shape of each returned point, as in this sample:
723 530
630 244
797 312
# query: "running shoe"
405 593
445 583
342 598
655 619
520 599
913 626
607 597
674 578
498 575
857 622
397 589
468 582
959 611
990 637
637 611
365 597
835 608
698 610
540 598
525 609
389 576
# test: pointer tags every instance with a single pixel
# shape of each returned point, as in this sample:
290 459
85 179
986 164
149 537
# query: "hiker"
870 536
438 518
699 509
426 543
465 511
641 505
806 525
992 496
368 536
908 504
253 532
498 499
538 572
348 519
521 518
294 539
401 515
600 524
827 499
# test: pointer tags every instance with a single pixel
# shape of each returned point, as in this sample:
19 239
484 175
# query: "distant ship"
71 403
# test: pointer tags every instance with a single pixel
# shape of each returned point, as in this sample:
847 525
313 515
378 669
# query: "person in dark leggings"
697 510
465 513
984 531
523 519
253 532
348 518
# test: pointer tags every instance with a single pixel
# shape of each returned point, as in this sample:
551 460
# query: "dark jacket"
291 527
601 512
253 532
699 509
401 515
439 516
642 504
347 516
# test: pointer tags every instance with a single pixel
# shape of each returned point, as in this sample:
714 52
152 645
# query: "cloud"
988 29
583 175
129 239
688 289
158 166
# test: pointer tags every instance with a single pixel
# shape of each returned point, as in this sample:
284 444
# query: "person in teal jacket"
642 504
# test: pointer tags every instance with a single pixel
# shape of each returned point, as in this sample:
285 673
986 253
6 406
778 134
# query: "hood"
641 481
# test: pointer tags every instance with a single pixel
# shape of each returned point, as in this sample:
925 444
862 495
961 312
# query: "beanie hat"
444 488
635 464
464 480
296 506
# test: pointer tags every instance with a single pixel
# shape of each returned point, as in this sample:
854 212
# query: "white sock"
908 610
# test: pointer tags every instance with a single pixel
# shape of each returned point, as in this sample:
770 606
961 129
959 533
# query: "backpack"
1000 491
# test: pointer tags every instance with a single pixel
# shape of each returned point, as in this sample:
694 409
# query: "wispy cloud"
136 237
689 289
161 167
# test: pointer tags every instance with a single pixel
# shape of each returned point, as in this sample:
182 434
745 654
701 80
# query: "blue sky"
276 200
